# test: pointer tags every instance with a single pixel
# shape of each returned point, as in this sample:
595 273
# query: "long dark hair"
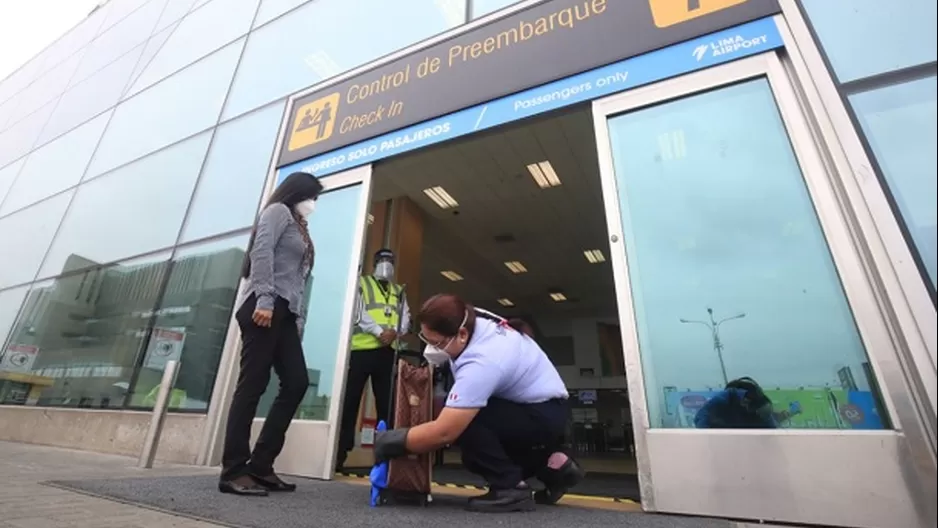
297 187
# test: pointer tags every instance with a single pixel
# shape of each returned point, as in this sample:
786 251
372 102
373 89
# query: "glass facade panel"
332 228
56 166
315 42
730 272
134 210
191 323
180 106
173 12
150 49
202 32
271 9
900 124
118 10
8 176
866 37
85 331
484 7
90 97
10 302
118 40
75 39
26 235
44 89
232 181
21 78
20 138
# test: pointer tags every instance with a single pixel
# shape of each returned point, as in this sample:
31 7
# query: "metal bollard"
152 440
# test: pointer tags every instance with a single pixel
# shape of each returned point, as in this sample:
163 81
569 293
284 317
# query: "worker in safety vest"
373 338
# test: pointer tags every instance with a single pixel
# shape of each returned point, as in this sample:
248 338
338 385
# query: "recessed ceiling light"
544 175
451 275
371 218
558 296
440 197
594 256
516 267
505 302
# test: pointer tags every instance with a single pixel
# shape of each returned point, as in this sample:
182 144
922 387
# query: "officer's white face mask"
305 208
384 270
437 355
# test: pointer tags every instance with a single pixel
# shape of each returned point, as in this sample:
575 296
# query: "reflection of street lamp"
714 327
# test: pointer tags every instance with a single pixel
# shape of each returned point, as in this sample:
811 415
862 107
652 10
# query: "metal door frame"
668 485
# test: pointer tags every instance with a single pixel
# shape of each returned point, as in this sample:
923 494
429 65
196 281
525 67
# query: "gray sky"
28 26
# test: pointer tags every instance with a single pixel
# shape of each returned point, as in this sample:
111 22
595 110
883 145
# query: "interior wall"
587 372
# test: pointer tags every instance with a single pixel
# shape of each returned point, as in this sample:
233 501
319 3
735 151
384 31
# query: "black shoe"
558 481
273 483
340 462
235 488
503 501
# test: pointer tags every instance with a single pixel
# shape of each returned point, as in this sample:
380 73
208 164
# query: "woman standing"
271 318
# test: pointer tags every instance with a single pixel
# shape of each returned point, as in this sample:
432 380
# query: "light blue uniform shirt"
500 362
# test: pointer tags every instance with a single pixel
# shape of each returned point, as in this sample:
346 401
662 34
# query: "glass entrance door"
337 229
751 336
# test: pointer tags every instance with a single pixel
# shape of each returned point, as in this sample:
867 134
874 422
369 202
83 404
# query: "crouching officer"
372 356
507 409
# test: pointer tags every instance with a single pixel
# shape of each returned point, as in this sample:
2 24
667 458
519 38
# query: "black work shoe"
239 488
503 501
558 481
273 483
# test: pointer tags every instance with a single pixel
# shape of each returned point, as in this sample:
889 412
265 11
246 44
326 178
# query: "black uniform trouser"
376 364
509 442
277 346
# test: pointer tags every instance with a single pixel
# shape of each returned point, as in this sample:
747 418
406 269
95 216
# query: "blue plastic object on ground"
379 473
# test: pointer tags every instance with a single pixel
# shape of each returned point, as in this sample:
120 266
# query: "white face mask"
435 356
305 208
384 270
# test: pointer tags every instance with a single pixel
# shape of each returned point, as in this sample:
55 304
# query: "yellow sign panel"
670 12
314 122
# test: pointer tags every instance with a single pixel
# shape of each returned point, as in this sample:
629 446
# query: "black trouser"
279 347
509 442
376 364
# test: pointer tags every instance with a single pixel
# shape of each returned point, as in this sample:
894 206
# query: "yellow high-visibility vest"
382 306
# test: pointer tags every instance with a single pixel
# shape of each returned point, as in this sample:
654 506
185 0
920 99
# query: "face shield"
384 269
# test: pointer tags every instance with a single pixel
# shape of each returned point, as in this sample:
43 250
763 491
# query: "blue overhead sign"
696 54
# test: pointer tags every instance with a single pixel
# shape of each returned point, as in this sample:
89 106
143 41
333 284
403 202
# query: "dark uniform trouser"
509 442
376 364
279 347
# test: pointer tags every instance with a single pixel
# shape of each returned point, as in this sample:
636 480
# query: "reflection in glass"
8 176
25 237
180 106
118 40
717 217
191 323
200 33
90 97
134 210
20 138
230 187
314 43
484 7
332 227
78 337
867 37
900 124
56 166
12 389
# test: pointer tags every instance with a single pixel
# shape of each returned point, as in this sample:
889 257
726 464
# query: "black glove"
390 444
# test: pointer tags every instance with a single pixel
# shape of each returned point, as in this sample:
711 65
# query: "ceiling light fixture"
371 218
451 275
558 296
506 302
440 197
544 175
516 267
594 256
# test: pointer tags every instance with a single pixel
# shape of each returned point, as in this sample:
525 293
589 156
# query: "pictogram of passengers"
320 120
